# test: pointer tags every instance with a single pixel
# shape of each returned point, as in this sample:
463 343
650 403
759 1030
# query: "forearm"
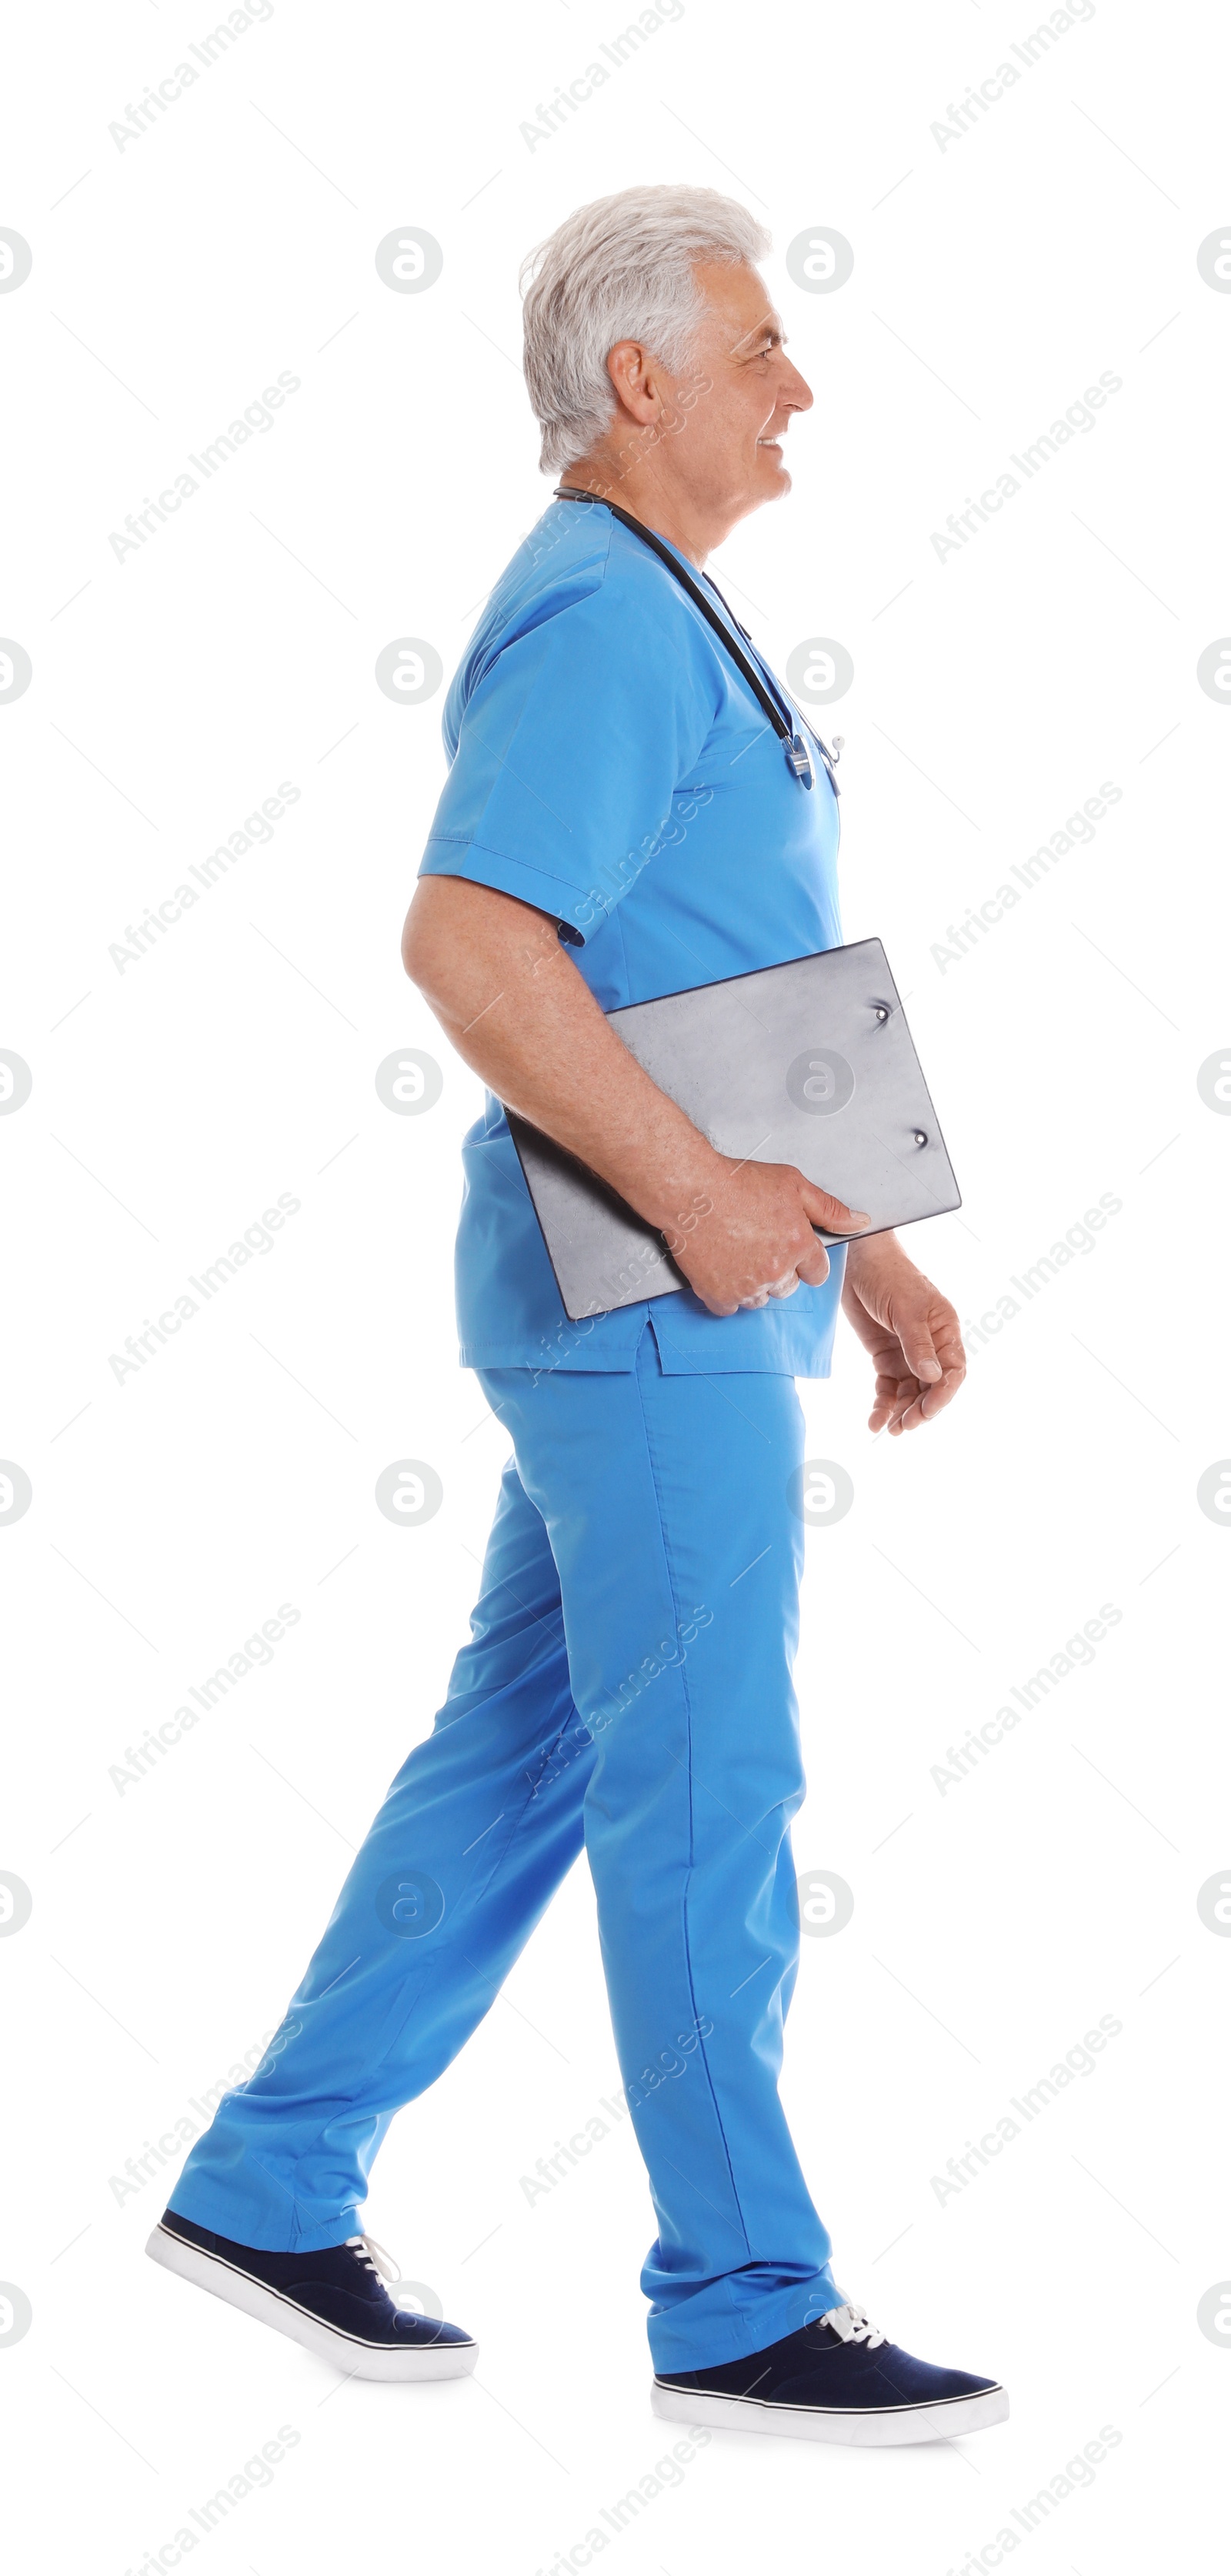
516 1009
876 1268
870 1258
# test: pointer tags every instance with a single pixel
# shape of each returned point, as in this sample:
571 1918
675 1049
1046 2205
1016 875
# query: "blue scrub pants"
627 1685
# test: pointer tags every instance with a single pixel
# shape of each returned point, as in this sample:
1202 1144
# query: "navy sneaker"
334 2301
834 2380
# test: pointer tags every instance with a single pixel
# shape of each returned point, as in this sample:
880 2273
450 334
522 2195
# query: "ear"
634 380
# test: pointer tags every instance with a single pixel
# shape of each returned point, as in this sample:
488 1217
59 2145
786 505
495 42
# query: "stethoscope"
782 715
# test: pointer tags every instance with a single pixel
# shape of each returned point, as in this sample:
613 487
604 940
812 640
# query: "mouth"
774 445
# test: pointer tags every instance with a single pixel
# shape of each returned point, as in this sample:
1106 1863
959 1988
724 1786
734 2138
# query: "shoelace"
377 2257
853 2325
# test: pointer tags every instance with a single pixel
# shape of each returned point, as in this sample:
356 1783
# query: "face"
727 446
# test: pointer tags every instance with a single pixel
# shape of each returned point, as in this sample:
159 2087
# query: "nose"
796 392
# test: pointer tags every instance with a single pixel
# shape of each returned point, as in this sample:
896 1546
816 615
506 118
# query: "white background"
995 690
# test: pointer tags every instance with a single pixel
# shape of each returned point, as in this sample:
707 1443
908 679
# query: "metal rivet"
920 1138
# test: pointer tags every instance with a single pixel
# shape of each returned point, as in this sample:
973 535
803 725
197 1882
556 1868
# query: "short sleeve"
571 746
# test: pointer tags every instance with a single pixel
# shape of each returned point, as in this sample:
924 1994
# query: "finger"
899 1399
935 1398
821 1208
916 1405
918 1347
813 1266
784 1287
930 1338
950 1347
890 1395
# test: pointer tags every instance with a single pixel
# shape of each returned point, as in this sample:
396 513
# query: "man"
618 823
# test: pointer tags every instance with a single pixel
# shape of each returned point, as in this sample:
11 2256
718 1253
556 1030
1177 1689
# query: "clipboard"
810 1063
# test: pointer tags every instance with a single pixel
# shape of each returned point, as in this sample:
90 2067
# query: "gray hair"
620 269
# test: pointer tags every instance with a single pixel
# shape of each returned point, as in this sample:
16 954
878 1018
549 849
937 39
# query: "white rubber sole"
346 2352
877 2431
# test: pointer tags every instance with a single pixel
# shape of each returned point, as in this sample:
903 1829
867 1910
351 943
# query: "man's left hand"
909 1328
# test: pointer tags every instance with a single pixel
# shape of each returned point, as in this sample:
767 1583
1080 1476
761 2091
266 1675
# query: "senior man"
619 822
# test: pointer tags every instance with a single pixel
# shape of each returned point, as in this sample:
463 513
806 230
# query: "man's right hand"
750 1236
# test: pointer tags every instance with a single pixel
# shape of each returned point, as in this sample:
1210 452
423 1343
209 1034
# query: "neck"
646 497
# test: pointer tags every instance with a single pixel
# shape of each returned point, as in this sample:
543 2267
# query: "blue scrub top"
609 765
